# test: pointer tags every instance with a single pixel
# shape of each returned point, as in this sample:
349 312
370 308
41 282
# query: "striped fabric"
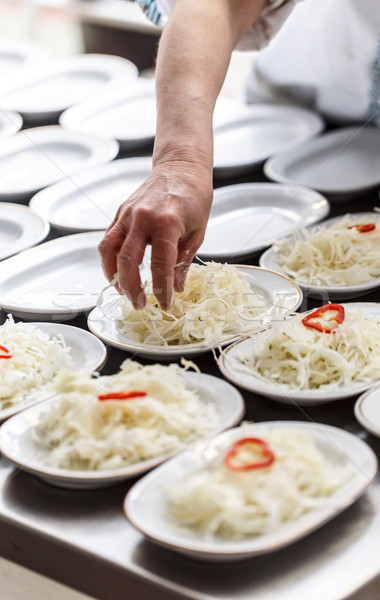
374 89
149 8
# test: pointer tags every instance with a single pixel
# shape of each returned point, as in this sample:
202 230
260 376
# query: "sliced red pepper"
326 318
363 228
5 352
122 395
231 459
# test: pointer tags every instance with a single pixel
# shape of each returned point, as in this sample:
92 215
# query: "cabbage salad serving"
327 347
109 422
255 485
217 301
343 254
29 360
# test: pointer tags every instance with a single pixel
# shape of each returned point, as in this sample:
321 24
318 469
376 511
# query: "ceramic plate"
247 217
89 200
18 445
55 280
144 504
48 89
244 144
268 260
230 366
10 123
367 410
342 164
20 228
16 55
35 158
281 296
87 352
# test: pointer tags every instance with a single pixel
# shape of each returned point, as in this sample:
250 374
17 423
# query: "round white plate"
10 123
55 280
281 296
88 201
230 365
17 444
144 504
367 410
244 144
16 55
268 260
87 353
247 217
35 158
49 88
343 163
128 115
20 228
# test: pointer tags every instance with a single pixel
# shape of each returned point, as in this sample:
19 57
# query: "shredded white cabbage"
217 301
297 357
81 432
36 359
217 501
334 255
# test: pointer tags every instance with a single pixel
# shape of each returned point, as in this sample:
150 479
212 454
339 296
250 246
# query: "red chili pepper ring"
236 458
122 395
326 318
364 228
5 352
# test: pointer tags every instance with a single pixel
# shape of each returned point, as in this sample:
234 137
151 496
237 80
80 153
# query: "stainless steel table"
83 539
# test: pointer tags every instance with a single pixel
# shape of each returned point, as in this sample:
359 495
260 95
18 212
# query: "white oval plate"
35 158
247 217
87 353
88 201
49 88
144 504
244 144
20 228
268 261
367 410
10 123
128 115
229 366
15 55
58 279
280 294
17 445
342 164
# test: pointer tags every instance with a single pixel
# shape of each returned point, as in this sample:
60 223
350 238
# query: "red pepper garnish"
326 318
5 352
363 228
122 395
231 459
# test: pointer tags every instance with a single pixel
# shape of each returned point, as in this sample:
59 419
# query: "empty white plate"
58 279
86 351
343 163
269 260
230 364
247 217
20 228
35 158
367 410
89 200
50 88
18 444
145 503
15 54
244 144
10 123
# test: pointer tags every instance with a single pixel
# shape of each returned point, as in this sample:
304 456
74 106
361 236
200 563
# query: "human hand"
169 211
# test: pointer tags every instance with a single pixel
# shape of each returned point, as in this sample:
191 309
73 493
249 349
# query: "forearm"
192 61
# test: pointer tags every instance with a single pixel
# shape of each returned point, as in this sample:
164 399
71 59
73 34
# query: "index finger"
129 258
163 262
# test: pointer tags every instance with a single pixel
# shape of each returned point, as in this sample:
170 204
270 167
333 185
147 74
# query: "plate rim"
359 414
22 209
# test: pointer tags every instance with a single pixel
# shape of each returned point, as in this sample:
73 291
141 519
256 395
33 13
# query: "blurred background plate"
10 123
20 228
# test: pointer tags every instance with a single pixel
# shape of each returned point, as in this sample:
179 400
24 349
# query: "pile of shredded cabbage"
36 359
217 501
80 432
298 357
217 301
332 256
